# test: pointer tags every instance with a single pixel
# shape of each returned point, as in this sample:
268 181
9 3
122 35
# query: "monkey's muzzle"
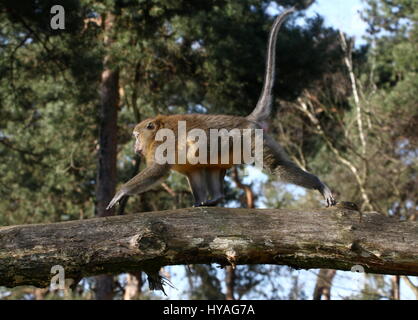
138 147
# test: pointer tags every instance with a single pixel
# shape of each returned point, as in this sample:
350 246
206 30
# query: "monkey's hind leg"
197 182
277 161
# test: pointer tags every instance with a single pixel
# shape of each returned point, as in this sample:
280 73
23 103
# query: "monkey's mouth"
139 148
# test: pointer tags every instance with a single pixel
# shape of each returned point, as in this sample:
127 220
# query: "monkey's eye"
150 126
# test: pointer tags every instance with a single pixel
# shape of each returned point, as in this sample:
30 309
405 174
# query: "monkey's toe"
331 201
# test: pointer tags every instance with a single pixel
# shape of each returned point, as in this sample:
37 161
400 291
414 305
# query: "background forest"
69 100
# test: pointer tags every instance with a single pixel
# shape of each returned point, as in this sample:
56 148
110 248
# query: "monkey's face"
144 134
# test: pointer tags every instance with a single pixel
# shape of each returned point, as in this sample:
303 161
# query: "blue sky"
342 14
339 14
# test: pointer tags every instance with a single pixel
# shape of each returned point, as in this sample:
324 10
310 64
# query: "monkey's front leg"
143 181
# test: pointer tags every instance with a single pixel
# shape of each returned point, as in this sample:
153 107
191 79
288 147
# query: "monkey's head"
144 133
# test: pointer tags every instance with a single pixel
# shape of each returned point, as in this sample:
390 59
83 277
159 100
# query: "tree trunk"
395 293
133 286
106 177
229 282
323 284
330 238
411 285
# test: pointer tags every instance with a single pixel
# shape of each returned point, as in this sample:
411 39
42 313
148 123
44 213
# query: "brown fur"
193 121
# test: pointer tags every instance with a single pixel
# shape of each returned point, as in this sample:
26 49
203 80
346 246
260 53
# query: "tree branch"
349 64
319 238
303 106
411 285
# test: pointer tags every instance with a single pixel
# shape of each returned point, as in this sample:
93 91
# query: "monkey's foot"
213 202
330 201
327 194
198 204
209 203
216 201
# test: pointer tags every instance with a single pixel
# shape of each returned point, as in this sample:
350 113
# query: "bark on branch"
318 238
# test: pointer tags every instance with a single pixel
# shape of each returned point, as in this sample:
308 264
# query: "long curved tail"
263 109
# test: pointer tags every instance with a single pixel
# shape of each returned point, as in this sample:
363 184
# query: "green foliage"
48 125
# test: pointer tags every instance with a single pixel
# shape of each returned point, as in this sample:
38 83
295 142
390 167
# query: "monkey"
206 179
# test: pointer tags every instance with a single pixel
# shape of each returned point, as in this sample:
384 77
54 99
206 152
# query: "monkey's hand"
327 194
118 196
143 181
